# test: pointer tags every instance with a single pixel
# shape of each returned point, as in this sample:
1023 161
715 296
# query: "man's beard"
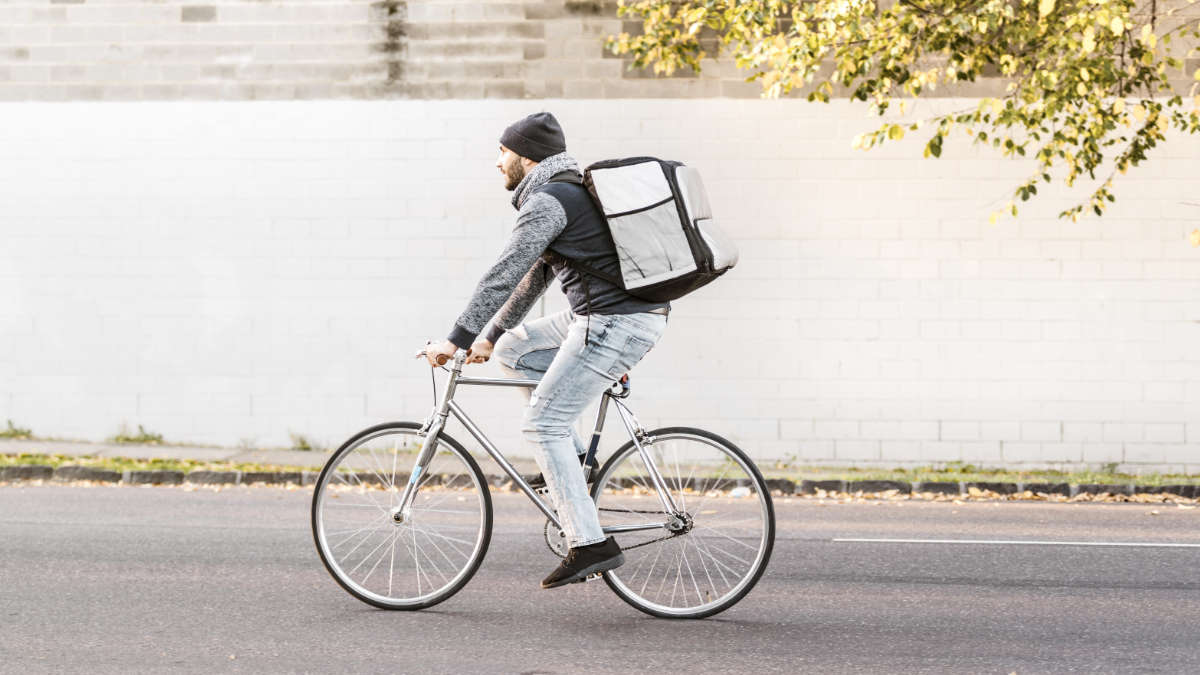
515 173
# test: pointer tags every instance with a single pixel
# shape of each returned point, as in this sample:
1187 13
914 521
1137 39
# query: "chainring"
556 539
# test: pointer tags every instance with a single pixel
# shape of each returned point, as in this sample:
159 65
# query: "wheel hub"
400 517
680 523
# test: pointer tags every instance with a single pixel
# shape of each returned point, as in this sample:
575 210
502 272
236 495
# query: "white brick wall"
232 272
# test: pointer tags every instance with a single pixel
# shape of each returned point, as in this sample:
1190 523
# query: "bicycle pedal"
593 577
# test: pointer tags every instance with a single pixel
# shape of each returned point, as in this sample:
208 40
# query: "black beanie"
536 136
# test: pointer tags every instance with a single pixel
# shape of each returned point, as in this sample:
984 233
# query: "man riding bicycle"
575 354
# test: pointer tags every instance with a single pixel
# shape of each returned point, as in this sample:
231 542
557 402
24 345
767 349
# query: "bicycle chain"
672 535
644 543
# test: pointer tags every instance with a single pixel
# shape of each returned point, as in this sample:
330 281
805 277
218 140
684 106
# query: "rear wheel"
420 559
708 558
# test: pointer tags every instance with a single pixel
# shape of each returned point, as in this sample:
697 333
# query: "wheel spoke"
703 548
691 574
704 566
446 538
391 541
372 553
720 534
434 564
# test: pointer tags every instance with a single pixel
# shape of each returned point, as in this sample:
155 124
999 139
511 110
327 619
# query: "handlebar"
460 357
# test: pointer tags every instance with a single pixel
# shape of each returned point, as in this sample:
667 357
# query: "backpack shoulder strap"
570 176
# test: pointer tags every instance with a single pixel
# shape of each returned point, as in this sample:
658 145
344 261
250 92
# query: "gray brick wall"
313 49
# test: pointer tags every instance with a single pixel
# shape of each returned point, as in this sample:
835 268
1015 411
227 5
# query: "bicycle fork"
431 428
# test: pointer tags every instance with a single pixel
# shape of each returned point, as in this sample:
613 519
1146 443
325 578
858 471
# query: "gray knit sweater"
515 277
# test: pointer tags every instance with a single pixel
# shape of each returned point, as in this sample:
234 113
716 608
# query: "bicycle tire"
474 560
604 480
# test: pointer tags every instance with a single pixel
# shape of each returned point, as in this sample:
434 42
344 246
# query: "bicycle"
712 528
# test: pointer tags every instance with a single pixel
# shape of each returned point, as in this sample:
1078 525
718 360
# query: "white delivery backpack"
661 223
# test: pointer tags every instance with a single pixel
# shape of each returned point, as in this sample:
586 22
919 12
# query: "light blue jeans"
572 375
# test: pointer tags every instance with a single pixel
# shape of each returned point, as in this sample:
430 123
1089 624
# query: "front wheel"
414 561
728 523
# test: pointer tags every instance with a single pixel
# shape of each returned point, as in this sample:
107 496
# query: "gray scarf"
541 174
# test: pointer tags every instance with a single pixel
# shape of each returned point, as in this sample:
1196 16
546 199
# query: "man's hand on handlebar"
479 352
437 355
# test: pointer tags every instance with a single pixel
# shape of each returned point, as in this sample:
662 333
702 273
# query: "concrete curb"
272 477
939 487
1048 488
810 487
779 486
878 486
214 477
999 488
71 472
27 472
153 477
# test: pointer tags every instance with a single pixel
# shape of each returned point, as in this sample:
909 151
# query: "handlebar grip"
441 359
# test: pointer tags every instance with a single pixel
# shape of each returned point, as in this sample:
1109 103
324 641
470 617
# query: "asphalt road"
120 579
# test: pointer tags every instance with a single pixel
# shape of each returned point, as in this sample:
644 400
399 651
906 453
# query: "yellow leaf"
996 214
1162 122
896 132
1118 106
1045 7
1139 112
1089 40
1084 75
1195 237
1080 89
997 106
857 142
1117 26
1197 75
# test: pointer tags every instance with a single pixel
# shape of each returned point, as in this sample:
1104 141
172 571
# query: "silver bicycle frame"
446 406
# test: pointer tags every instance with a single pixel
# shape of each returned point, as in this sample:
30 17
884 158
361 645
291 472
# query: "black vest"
586 240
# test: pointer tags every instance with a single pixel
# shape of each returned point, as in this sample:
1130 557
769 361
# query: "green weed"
142 436
15 432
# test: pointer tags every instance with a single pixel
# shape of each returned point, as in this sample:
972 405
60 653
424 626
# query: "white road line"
1018 542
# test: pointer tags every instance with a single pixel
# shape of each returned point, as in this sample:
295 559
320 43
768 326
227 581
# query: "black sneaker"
538 482
584 561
